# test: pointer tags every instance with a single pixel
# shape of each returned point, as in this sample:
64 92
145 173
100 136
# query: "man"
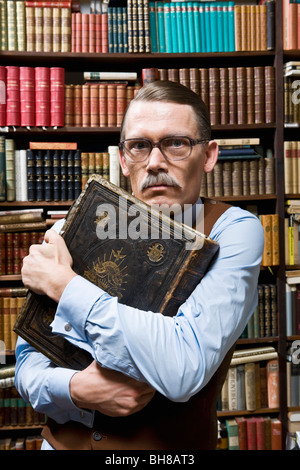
155 379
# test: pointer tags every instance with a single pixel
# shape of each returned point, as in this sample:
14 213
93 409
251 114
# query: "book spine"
10 169
3 84
30 29
153 27
21 26
42 96
27 96
56 30
13 96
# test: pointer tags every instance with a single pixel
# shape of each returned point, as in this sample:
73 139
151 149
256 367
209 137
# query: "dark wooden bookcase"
273 133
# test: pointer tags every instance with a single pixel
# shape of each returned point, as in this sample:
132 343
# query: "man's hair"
173 92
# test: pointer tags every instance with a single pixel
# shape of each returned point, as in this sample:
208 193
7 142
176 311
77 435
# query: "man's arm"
178 355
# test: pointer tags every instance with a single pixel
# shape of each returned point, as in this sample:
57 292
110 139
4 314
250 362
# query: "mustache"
160 178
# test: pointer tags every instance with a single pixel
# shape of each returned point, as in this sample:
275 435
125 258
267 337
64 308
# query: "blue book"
125 31
231 28
174 27
168 29
214 27
185 27
161 27
191 28
153 27
220 19
179 27
202 27
196 15
225 27
207 26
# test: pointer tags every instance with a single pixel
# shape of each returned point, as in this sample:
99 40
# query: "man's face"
155 120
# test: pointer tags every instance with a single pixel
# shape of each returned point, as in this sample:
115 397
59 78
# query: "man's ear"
211 156
123 165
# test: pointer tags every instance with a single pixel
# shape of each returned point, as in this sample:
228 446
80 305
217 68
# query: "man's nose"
156 160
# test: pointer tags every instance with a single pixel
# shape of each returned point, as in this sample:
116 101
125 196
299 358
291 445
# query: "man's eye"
138 145
175 142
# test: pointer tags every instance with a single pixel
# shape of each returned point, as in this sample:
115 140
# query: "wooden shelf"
260 411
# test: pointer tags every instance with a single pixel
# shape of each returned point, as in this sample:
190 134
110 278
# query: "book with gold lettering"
130 250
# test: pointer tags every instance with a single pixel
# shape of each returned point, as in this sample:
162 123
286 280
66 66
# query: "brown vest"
162 424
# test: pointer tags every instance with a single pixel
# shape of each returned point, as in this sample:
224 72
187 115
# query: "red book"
27 96
273 383
104 31
98 44
42 96
251 434
85 32
2 96
73 32
57 96
260 433
276 434
242 430
12 95
78 32
92 32
2 253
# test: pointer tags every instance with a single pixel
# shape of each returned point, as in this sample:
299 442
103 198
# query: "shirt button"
68 327
97 436
81 414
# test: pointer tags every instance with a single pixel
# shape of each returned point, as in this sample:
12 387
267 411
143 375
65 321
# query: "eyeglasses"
173 148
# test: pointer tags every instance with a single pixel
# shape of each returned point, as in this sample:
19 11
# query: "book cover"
123 265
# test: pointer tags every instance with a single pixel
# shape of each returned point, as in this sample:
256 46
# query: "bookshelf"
272 134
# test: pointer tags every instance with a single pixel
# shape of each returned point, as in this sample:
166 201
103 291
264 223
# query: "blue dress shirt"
176 355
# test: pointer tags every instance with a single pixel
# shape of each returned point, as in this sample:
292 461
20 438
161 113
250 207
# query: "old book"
127 248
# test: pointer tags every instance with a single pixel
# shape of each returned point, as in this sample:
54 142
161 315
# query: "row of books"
9 309
252 383
240 177
53 171
264 321
14 411
233 95
291 82
292 298
21 443
97 104
183 27
251 433
27 27
291 24
14 245
33 96
271 255
211 27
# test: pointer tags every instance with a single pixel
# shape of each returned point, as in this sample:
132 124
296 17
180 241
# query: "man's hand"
48 267
108 391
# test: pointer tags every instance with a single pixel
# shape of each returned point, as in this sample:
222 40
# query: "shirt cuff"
59 392
70 323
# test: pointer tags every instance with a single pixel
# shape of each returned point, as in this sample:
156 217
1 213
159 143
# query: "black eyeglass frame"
193 142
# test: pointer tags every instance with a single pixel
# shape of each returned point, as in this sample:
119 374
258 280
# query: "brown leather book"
148 261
